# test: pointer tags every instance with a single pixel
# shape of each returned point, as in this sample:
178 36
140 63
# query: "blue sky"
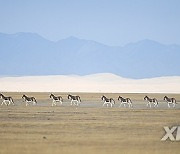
112 22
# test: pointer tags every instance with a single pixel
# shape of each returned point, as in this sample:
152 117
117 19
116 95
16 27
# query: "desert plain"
89 128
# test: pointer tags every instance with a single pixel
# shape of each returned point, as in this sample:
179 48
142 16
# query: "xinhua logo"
172 133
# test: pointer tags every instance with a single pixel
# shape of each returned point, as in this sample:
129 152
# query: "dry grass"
65 129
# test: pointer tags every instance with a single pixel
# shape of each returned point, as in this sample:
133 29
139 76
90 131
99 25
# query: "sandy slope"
103 82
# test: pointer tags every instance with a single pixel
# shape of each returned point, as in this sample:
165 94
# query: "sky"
112 22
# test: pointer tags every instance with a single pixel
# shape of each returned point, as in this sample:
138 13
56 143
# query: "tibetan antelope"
125 101
56 99
76 100
29 100
6 100
107 101
170 101
151 100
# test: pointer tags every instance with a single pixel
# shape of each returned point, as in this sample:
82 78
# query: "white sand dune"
104 82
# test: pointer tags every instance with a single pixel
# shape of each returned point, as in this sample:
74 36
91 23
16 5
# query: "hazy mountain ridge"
31 54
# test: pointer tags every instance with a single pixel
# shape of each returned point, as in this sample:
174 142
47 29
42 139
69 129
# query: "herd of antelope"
76 100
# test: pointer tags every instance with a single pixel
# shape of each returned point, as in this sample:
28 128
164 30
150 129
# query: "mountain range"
24 54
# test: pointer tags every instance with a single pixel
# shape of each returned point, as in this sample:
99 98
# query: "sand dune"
104 82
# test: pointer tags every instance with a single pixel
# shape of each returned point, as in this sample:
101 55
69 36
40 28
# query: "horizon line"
77 75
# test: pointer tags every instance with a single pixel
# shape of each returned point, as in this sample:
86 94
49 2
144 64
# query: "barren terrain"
88 128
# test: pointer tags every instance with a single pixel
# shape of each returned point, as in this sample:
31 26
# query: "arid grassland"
89 128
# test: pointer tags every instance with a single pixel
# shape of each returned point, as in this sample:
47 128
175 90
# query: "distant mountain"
31 54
